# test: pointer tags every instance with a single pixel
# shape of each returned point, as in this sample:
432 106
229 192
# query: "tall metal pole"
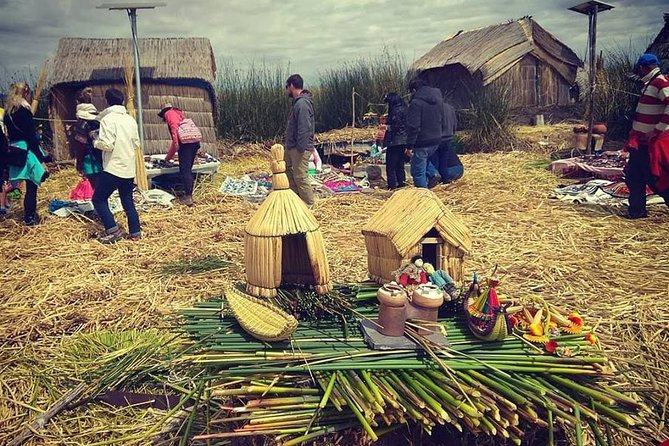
592 34
132 14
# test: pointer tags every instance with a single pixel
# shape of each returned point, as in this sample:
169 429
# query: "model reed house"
283 243
414 222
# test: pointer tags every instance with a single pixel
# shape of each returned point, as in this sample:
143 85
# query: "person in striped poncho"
648 144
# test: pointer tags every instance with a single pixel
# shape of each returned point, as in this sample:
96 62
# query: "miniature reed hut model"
414 222
283 242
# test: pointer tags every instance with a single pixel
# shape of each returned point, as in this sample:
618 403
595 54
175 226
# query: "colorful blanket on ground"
341 186
610 168
600 192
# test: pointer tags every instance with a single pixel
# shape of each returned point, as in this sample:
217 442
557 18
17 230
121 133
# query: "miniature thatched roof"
88 61
410 213
493 50
660 46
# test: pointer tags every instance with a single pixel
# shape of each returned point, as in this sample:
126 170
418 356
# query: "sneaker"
135 237
187 200
111 237
33 220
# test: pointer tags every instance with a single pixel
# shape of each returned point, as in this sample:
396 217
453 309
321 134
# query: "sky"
310 36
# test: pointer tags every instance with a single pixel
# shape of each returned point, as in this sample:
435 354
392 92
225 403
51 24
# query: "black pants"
395 166
187 153
106 185
637 176
30 201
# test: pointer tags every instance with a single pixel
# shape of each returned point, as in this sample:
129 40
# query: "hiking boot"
135 237
187 200
112 236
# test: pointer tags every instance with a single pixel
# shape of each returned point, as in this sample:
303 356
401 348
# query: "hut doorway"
295 261
432 246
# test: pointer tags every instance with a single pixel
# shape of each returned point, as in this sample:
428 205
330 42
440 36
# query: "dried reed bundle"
141 179
39 87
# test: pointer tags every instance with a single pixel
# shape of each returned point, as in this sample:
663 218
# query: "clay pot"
392 320
599 128
392 295
428 296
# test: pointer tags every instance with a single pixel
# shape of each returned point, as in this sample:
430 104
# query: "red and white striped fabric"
652 112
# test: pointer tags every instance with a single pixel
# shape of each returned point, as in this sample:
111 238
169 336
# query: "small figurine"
442 280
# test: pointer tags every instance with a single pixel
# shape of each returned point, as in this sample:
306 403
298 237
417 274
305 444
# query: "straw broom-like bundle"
39 87
140 168
283 214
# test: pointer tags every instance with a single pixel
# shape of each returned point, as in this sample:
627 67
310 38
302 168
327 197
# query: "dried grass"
59 281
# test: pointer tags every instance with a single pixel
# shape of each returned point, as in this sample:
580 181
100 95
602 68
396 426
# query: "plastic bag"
82 191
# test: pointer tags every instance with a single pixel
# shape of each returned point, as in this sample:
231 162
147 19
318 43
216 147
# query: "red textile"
658 150
82 191
173 117
405 280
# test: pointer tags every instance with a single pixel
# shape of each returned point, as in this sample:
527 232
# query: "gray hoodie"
450 123
425 118
301 123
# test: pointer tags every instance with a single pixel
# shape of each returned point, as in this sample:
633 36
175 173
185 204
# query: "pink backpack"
188 132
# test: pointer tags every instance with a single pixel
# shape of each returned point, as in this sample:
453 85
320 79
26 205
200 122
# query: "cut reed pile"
59 281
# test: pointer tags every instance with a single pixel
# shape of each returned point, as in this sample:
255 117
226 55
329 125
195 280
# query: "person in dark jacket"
299 139
424 127
22 134
395 140
445 159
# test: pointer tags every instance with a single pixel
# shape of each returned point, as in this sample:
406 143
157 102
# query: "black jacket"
396 135
425 117
301 124
21 127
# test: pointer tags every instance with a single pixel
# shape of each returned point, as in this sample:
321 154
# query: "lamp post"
132 8
591 9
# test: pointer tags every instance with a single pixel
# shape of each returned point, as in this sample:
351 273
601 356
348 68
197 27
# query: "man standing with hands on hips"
299 139
648 144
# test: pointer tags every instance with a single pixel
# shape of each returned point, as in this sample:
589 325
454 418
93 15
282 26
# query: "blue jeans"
419 164
441 158
430 169
106 185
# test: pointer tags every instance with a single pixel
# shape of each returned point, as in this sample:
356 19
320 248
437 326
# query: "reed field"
70 307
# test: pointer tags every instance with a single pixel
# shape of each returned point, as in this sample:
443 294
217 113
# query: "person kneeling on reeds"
299 139
118 139
186 138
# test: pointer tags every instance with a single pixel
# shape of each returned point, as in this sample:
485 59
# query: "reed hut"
283 243
414 222
180 71
519 55
660 46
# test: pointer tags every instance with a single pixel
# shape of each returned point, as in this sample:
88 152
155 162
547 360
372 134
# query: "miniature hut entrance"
295 261
432 248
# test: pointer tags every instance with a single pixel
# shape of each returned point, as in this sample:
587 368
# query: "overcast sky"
311 35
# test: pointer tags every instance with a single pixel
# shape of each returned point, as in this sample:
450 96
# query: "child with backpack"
186 139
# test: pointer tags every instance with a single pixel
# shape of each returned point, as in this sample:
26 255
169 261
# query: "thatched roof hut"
176 70
414 222
660 46
283 241
520 55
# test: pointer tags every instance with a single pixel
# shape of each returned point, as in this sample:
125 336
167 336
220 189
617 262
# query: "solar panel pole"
131 9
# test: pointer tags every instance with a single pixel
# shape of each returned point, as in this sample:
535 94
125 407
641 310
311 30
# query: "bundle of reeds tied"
141 178
326 379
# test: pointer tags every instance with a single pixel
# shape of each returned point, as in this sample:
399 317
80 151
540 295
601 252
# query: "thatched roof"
493 50
660 46
88 61
410 213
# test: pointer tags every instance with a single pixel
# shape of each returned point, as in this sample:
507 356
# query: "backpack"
188 132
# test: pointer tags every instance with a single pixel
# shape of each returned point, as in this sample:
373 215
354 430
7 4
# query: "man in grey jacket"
299 139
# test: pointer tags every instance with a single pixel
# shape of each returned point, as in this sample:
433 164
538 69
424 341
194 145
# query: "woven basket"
259 318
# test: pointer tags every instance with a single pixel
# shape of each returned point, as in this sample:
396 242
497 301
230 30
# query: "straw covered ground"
60 286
